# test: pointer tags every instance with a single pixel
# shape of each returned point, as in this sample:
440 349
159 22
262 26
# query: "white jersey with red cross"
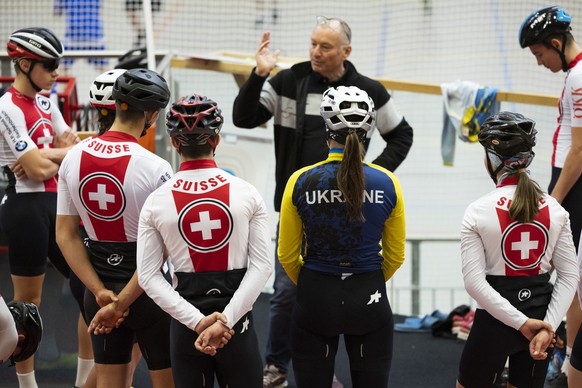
105 180
28 123
493 244
208 220
570 109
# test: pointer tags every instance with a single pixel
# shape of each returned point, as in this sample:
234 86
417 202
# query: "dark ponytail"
350 177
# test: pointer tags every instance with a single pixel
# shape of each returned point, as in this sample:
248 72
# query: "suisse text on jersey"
199 185
108 148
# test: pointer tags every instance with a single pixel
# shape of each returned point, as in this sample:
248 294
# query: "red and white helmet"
35 43
101 91
194 116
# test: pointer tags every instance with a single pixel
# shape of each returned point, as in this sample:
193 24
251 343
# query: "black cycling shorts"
489 345
146 322
572 204
576 356
356 307
237 365
28 220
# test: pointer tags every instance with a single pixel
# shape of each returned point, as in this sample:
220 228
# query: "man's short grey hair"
337 24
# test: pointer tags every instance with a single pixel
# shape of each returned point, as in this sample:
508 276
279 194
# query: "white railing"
406 299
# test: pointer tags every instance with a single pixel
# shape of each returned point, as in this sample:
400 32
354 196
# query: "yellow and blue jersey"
315 230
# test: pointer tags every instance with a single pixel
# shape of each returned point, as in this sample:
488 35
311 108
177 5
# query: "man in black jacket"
293 98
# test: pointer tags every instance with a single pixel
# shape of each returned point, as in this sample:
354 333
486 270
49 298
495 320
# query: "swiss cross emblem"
523 245
102 196
205 225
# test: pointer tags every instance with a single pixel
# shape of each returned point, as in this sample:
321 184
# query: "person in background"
264 13
333 216
34 140
511 239
83 29
292 98
215 228
134 9
20 330
547 33
101 99
104 182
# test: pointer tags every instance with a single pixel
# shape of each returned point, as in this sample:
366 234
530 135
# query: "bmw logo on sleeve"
21 145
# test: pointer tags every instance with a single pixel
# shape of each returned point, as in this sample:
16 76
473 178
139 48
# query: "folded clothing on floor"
420 325
444 328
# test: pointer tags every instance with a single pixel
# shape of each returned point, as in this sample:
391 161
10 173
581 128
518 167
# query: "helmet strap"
493 172
146 125
32 64
562 53
212 144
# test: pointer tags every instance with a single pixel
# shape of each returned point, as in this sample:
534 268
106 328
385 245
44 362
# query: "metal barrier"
416 289
456 296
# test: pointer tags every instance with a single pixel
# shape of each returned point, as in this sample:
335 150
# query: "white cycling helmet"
347 108
101 91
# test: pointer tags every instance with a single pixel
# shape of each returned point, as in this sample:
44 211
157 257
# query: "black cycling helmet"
35 43
133 59
546 22
508 139
29 323
194 119
542 23
142 89
507 134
